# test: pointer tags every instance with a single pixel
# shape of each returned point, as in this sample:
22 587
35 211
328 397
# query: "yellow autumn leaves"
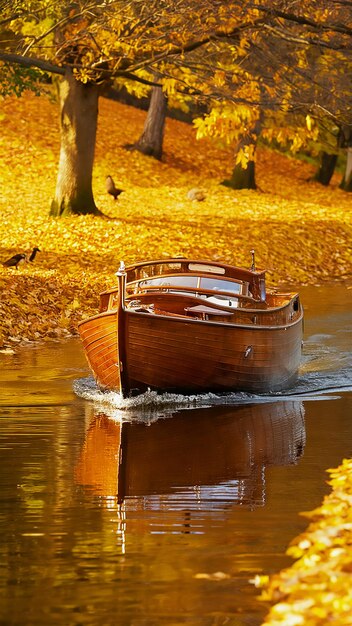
317 589
300 230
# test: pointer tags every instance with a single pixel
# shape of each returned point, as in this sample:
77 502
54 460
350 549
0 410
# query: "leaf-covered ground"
316 590
300 230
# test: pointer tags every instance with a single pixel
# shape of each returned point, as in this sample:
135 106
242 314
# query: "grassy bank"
300 230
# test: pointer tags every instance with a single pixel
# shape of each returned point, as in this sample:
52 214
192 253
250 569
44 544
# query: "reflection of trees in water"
198 458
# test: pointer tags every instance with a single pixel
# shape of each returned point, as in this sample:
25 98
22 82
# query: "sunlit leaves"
169 86
317 590
285 222
213 50
292 132
309 122
245 155
226 121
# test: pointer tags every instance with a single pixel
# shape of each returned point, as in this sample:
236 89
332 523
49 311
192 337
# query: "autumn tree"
296 85
321 73
89 44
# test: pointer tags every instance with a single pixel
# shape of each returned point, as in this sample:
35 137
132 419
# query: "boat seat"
141 309
206 311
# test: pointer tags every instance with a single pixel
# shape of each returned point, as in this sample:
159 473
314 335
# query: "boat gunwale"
199 290
178 291
186 319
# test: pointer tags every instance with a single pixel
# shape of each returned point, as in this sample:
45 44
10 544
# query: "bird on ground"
15 260
111 188
33 254
196 194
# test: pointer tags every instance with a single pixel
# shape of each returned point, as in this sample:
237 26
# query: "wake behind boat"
189 326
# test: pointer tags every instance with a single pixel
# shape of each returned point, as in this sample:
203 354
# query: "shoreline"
300 230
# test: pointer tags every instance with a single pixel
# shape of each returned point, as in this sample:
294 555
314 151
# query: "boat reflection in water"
211 457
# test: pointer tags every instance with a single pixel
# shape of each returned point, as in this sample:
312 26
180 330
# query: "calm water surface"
159 513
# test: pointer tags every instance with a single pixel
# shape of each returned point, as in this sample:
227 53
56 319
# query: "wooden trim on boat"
191 320
197 300
219 292
230 271
185 262
121 332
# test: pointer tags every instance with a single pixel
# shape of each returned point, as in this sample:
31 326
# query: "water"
161 509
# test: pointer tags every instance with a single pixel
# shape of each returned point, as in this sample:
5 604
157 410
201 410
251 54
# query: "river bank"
316 589
301 231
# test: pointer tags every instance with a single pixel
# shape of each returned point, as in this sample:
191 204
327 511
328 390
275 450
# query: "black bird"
15 260
111 188
33 253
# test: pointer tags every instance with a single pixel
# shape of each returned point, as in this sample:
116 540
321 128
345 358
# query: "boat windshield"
169 281
217 284
214 284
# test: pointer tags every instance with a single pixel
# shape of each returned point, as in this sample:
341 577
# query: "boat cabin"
202 290
221 284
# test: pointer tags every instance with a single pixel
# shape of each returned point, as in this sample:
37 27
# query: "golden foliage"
226 122
317 589
301 231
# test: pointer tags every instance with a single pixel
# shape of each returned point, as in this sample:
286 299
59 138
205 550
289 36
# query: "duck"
33 254
111 188
15 260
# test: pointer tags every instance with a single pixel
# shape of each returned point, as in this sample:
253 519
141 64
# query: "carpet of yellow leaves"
300 230
317 589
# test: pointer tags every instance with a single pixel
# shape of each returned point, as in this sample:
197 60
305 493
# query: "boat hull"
192 356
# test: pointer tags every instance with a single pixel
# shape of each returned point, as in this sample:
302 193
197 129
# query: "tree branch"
5 20
32 62
55 69
214 37
304 41
304 21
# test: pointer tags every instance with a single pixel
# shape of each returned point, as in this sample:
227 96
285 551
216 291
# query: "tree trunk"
151 140
346 182
326 168
79 117
244 177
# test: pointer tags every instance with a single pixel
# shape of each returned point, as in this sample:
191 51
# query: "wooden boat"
191 326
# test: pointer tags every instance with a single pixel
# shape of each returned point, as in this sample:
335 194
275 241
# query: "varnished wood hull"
191 356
